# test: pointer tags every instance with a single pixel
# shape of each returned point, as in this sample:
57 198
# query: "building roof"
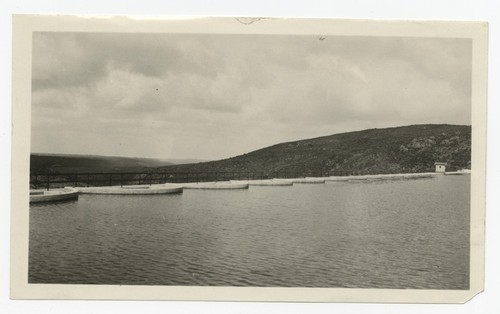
440 163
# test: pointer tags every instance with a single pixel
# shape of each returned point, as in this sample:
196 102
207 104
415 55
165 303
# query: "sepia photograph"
262 153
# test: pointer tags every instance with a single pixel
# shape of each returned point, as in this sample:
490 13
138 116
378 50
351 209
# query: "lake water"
378 234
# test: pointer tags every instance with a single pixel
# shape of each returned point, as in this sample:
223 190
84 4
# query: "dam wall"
67 193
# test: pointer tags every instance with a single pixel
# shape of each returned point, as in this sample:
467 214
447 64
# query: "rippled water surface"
384 234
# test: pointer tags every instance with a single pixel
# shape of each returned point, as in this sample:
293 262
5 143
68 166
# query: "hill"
48 163
412 148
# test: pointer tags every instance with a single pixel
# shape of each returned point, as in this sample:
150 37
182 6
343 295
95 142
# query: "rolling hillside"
412 148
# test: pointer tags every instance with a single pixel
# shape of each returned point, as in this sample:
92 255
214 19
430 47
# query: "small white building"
440 166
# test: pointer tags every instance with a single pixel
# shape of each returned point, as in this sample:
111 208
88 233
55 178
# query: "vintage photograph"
241 159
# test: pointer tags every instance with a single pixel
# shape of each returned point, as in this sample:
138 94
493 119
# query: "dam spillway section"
134 189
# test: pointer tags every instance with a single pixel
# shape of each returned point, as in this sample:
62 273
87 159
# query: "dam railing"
95 179
58 180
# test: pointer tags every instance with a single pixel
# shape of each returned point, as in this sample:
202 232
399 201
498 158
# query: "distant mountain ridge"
69 163
412 148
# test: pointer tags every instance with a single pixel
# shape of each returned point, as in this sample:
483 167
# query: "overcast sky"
217 96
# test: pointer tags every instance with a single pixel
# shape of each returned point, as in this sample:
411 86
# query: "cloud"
215 96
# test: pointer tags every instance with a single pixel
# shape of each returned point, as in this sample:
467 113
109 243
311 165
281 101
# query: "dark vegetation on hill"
45 163
412 148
